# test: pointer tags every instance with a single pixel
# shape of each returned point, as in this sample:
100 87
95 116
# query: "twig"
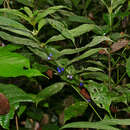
16 121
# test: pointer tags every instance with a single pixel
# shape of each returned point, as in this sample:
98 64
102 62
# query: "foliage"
66 61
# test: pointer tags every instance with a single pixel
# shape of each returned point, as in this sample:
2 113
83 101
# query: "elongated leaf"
116 3
94 69
96 40
94 125
11 23
18 40
14 26
61 28
10 47
105 4
16 13
116 122
41 23
48 11
128 66
26 2
39 52
105 124
15 94
13 65
50 50
84 55
19 31
74 32
49 91
28 12
75 110
80 19
98 76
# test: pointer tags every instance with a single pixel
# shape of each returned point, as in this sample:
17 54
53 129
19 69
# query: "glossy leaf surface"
49 91
13 65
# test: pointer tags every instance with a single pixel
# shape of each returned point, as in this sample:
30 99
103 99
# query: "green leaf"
128 66
105 4
121 94
68 3
15 94
5 119
18 40
104 124
39 52
41 23
116 3
80 19
21 110
28 12
1 2
48 11
10 47
94 69
99 94
42 68
76 2
97 76
61 28
74 32
16 13
50 50
116 122
85 55
26 2
96 40
75 110
49 91
19 32
11 23
13 65
94 125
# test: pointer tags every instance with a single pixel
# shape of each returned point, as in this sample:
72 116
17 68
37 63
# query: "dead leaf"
119 45
49 73
102 52
4 104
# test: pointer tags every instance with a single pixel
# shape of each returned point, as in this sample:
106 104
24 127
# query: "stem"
88 103
119 57
110 20
110 16
118 73
109 71
120 79
16 121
